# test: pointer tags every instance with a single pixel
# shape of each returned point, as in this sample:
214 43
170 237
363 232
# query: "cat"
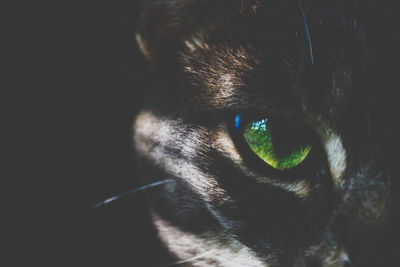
316 79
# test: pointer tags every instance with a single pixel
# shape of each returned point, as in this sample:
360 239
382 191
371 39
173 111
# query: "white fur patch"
225 145
142 46
205 249
196 42
227 89
155 137
336 156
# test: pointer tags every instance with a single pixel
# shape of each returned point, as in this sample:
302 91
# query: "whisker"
133 191
303 13
191 259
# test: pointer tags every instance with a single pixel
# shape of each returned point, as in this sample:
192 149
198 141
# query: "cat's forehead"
257 69
308 57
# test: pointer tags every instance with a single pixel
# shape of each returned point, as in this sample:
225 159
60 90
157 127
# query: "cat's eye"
279 146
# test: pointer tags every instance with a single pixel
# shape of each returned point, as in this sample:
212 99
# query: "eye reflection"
238 121
260 125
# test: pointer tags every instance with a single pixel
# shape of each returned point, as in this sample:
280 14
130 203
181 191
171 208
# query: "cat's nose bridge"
356 162
364 211
366 185
366 193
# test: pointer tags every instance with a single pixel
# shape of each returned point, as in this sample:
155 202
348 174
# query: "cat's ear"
158 31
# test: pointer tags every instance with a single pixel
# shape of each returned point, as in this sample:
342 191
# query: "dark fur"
211 60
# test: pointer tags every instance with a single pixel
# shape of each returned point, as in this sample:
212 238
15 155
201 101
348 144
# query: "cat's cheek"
207 248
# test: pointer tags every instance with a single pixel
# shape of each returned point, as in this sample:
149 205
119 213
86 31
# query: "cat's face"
319 74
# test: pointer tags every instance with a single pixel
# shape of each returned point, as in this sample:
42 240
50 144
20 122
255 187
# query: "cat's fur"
329 65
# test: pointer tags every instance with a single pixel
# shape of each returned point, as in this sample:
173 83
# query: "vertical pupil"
280 146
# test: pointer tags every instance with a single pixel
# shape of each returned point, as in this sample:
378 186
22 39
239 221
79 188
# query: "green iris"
281 147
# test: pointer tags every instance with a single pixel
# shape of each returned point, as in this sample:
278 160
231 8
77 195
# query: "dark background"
77 80
117 234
